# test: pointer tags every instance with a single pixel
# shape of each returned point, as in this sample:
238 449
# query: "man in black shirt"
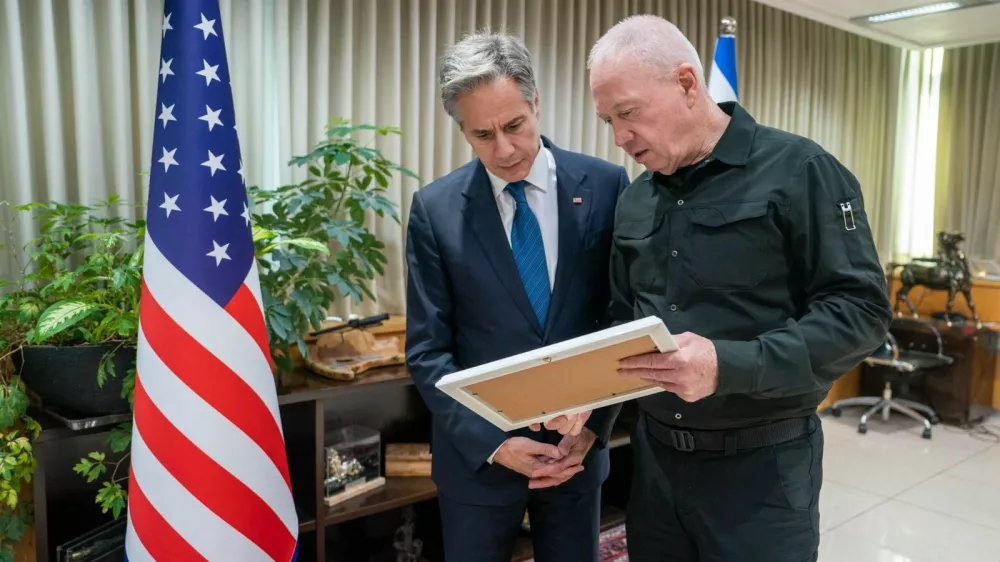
753 246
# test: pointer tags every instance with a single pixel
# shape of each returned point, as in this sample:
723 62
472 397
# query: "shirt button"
674 253
673 308
680 201
677 416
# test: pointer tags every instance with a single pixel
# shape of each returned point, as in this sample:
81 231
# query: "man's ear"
538 105
688 79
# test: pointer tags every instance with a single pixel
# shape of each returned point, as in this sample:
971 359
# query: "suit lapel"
573 217
484 219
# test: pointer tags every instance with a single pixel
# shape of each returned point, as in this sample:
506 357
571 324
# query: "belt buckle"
683 440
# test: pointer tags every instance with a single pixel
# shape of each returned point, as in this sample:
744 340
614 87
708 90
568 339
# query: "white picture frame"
565 378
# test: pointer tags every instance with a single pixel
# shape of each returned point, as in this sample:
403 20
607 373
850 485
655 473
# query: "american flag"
209 476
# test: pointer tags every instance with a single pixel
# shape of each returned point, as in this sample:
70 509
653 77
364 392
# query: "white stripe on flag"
253 283
210 325
134 549
205 531
718 86
214 434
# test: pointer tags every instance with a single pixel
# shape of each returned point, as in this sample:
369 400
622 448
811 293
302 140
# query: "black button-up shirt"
764 248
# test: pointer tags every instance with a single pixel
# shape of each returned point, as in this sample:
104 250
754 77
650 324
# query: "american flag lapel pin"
578 200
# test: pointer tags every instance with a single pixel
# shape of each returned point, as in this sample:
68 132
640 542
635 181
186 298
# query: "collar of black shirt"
733 147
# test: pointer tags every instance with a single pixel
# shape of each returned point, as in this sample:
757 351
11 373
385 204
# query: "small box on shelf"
408 459
353 463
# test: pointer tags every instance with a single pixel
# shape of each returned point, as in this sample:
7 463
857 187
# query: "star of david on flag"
209 476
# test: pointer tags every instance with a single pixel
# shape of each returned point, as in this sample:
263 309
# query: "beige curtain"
968 155
913 186
80 77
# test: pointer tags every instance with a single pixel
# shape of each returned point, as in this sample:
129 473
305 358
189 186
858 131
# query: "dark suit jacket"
466 306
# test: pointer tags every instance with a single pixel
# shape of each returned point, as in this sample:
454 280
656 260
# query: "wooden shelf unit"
383 399
302 389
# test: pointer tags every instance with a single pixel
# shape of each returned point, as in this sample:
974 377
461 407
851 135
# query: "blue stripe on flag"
725 58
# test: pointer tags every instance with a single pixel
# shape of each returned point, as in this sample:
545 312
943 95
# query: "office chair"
898 366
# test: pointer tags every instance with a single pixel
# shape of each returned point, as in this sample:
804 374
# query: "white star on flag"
168 159
207 27
170 203
209 72
165 69
240 172
211 117
166 24
217 208
246 214
166 114
214 162
219 253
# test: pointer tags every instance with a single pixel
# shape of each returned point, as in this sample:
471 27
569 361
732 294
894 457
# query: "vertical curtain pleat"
78 99
968 155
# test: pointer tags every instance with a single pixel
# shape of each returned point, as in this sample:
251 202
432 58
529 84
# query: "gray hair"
481 58
652 41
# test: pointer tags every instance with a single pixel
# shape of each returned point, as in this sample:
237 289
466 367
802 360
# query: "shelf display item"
353 459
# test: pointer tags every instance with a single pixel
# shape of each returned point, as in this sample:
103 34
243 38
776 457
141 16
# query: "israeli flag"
722 84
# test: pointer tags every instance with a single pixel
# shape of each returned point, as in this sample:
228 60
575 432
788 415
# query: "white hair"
651 41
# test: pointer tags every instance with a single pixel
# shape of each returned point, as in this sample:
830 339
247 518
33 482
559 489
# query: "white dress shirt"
540 191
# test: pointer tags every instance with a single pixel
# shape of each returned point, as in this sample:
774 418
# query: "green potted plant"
312 237
19 430
76 302
67 320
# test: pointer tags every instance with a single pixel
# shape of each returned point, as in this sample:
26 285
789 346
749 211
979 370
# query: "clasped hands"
691 372
548 465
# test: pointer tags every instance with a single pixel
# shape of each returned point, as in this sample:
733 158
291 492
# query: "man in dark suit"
506 254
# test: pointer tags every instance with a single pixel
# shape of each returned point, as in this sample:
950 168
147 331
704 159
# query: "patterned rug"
612 546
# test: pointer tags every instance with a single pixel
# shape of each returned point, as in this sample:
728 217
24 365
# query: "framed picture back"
561 379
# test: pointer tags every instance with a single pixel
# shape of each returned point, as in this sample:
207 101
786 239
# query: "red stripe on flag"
157 536
212 485
245 310
213 381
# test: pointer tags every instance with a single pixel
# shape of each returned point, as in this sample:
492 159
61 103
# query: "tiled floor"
892 496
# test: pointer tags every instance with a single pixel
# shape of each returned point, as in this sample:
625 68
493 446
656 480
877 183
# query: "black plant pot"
66 377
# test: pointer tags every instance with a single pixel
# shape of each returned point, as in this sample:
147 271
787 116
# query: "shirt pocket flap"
637 229
721 215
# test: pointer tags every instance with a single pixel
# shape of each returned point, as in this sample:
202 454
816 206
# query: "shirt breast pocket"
635 242
731 245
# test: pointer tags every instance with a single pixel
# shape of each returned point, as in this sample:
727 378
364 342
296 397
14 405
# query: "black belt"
730 440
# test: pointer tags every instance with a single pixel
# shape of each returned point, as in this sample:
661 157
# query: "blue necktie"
529 253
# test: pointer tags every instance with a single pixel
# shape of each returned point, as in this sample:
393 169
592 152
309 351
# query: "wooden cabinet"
986 297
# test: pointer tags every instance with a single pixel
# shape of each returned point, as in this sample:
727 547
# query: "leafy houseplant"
77 298
297 226
17 463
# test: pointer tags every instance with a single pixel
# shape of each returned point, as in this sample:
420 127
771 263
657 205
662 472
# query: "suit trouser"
564 527
756 505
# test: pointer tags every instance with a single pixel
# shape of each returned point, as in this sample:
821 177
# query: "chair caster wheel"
927 434
835 412
862 429
935 420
